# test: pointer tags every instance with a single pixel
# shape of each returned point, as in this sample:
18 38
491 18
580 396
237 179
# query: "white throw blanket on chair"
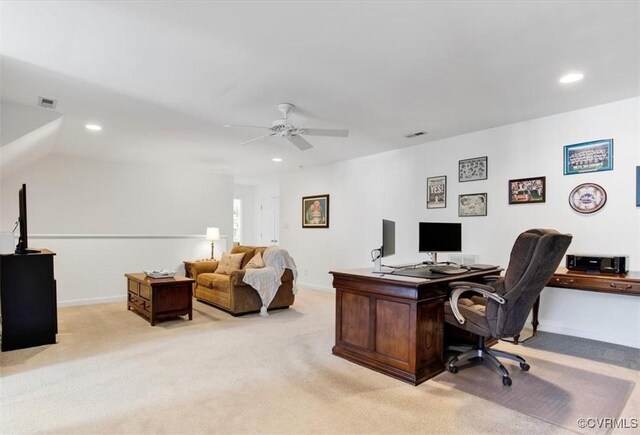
267 280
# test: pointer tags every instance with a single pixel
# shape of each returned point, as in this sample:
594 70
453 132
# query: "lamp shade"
213 233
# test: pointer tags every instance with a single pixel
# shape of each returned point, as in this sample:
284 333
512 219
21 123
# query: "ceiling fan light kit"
290 132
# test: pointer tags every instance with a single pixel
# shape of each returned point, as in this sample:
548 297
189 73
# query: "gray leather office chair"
500 308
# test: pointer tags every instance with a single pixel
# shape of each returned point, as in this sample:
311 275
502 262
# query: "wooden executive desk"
394 324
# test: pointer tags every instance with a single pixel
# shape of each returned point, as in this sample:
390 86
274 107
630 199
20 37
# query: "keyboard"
448 270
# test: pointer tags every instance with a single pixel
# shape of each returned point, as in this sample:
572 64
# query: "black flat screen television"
23 241
437 237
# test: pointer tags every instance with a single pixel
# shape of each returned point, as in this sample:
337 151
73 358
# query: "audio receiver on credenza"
598 263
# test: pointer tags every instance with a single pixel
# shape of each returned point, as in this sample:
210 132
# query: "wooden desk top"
624 284
366 273
403 286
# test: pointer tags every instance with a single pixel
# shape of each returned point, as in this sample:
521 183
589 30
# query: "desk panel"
393 324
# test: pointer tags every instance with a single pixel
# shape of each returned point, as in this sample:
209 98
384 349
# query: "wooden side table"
157 298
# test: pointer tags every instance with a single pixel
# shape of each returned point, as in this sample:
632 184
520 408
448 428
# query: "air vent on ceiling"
47 103
416 134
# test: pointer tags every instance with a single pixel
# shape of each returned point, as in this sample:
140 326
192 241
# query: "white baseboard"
92 301
591 335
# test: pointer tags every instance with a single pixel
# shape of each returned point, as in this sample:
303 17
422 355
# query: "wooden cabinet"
28 300
159 298
393 324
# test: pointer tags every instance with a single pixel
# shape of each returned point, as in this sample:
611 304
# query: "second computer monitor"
434 237
388 238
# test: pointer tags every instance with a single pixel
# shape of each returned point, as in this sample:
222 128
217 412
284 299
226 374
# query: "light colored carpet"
111 372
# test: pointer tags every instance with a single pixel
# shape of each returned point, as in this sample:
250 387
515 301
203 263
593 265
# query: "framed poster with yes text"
437 192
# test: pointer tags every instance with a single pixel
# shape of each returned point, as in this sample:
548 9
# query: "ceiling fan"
281 127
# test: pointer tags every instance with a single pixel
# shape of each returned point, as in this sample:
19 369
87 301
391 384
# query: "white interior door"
269 221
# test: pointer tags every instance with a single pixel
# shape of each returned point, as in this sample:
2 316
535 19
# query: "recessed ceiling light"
93 127
571 78
276 159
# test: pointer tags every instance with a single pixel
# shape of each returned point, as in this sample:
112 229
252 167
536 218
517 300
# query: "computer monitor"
434 237
388 238
388 247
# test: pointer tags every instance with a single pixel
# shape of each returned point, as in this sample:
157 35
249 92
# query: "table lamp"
213 234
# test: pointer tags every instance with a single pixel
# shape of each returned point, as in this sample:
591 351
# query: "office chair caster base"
506 381
525 367
453 369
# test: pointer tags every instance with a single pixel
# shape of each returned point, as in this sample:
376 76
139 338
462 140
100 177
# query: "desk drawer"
599 284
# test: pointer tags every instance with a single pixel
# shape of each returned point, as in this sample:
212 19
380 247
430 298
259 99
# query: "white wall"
247 194
392 185
70 201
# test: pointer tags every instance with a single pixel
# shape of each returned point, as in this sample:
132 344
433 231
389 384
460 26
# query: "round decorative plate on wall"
587 198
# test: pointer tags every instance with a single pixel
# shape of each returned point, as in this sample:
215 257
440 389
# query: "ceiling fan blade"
257 138
299 142
249 126
324 132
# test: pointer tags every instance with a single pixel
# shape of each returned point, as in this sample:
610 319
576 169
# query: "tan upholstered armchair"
230 293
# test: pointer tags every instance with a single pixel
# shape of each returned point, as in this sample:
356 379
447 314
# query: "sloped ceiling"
162 78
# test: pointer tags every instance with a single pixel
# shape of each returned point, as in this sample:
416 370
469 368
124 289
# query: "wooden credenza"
621 284
28 300
393 324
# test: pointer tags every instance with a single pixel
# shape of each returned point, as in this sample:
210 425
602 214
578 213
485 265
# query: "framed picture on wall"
587 198
472 169
637 186
591 156
437 192
527 190
315 211
472 204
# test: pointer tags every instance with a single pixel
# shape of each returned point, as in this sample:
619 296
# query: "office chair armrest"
454 285
462 287
492 278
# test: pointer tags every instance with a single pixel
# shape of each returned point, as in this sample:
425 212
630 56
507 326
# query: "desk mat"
552 392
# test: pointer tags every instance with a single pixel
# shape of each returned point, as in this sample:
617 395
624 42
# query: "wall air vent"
416 134
47 103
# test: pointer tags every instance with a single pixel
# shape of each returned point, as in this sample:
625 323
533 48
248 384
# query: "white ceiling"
162 78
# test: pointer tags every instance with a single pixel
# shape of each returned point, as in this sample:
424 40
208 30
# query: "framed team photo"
591 156
527 190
